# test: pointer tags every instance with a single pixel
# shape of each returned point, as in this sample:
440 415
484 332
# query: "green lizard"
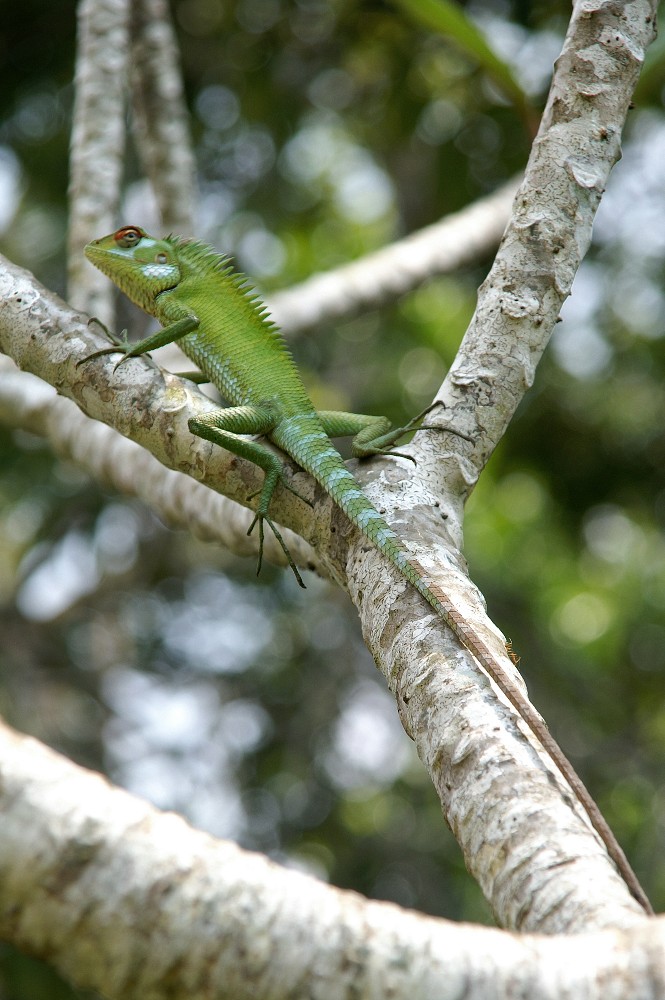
221 325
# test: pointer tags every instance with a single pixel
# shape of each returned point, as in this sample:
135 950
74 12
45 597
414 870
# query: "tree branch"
548 235
161 118
98 141
137 904
28 402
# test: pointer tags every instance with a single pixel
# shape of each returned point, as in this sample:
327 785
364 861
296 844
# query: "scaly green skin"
223 328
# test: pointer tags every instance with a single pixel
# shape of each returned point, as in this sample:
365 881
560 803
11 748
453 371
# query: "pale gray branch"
46 338
548 234
161 117
137 904
31 404
97 143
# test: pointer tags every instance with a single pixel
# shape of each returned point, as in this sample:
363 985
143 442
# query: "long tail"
329 470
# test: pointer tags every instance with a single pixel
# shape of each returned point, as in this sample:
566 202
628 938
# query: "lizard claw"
260 518
98 354
389 453
414 423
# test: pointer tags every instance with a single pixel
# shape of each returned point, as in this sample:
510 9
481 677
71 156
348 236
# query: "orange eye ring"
128 237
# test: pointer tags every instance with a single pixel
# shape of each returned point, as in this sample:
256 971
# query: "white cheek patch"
160 271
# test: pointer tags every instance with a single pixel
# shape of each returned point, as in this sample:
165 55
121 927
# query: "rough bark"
137 904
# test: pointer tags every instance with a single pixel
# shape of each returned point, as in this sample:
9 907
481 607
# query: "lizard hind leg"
224 427
374 435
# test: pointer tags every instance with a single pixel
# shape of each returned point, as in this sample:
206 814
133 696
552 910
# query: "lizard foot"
120 345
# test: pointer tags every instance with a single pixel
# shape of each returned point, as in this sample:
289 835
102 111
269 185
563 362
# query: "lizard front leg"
167 335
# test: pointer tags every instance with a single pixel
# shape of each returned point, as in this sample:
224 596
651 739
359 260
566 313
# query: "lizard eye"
128 237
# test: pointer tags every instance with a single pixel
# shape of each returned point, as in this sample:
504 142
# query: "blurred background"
324 130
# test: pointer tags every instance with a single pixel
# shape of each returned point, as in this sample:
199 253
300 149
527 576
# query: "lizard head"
137 263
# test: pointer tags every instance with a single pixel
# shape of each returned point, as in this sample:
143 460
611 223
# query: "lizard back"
236 345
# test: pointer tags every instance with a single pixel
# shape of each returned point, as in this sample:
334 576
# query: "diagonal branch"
548 235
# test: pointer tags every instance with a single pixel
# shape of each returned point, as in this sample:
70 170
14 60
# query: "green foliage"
448 18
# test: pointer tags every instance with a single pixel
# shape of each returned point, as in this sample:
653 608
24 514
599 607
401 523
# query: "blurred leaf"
449 20
653 73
